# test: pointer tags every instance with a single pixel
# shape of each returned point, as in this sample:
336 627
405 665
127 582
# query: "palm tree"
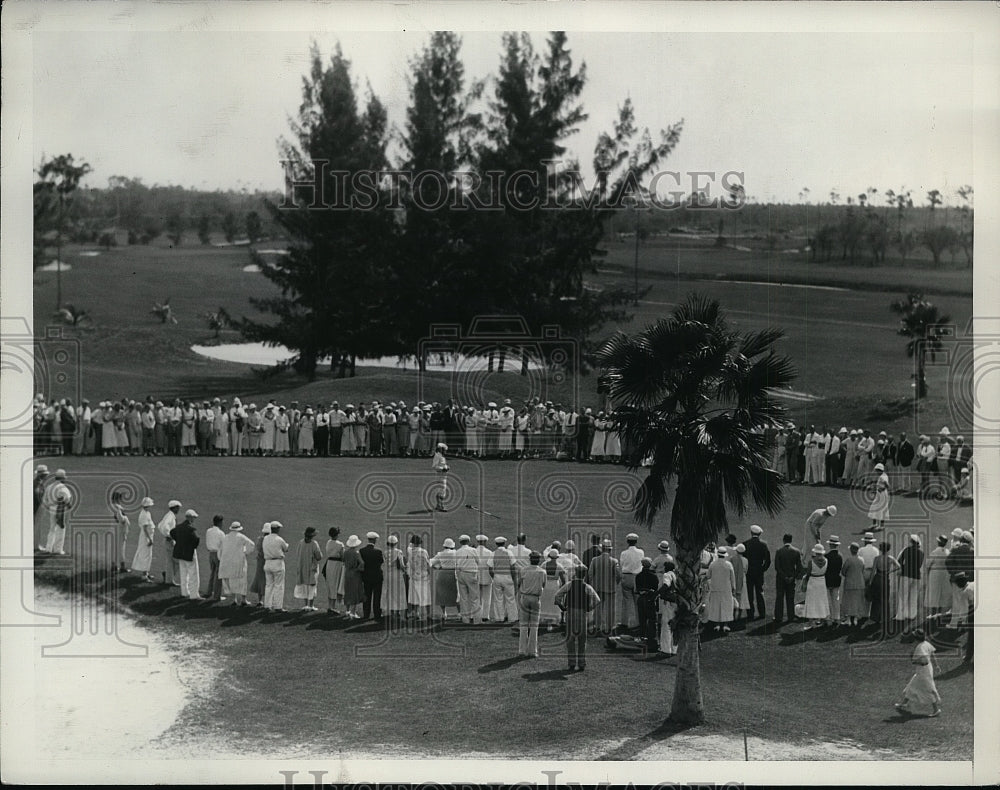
218 320
925 327
694 395
164 312
73 316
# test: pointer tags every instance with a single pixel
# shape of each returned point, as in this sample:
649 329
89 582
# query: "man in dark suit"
593 551
604 575
904 457
788 570
371 577
758 557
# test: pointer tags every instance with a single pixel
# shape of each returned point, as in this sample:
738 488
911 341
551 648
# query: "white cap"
372 536
449 543
481 538
236 526
60 474
173 503
756 530
944 432
741 549
190 512
41 469
464 539
146 502
276 525
500 540
266 529
831 509
553 552
570 545
392 540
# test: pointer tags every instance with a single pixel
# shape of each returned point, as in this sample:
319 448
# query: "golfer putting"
440 465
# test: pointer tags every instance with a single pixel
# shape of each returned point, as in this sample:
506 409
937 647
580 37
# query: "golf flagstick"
484 512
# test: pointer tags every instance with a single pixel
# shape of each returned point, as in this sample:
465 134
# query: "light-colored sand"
729 748
109 706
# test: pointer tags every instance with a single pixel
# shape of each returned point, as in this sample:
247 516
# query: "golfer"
440 465
817 519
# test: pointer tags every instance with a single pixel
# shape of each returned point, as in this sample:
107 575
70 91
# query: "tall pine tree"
332 282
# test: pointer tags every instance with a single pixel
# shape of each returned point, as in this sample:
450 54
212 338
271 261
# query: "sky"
825 111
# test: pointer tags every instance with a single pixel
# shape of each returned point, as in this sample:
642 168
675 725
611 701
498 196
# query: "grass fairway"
843 342
298 684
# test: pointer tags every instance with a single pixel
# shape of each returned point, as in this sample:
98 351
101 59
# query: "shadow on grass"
504 663
633 746
551 674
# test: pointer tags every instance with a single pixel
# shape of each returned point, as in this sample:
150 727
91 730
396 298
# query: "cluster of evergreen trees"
371 279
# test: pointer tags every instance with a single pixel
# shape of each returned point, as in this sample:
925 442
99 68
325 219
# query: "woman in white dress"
189 440
879 510
521 426
236 547
938 585
721 590
612 441
282 425
394 581
597 444
921 692
267 437
143 559
307 423
333 571
817 599
419 569
220 429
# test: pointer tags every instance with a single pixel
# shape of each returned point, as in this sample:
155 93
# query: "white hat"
741 549
957 532
173 503
967 536
353 542
41 469
965 471
831 509
756 530
880 467
553 553
392 540
833 540
448 543
276 525
191 513
266 529
570 545
818 549
721 551
499 540
631 536
60 474
869 537
944 432
146 502
372 536
236 526
915 539
663 544
464 539
481 538
442 446
606 543
842 430
491 405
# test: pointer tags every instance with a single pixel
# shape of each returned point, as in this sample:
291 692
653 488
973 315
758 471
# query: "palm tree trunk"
687 706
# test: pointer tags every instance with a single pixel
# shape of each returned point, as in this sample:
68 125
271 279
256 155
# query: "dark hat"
310 531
